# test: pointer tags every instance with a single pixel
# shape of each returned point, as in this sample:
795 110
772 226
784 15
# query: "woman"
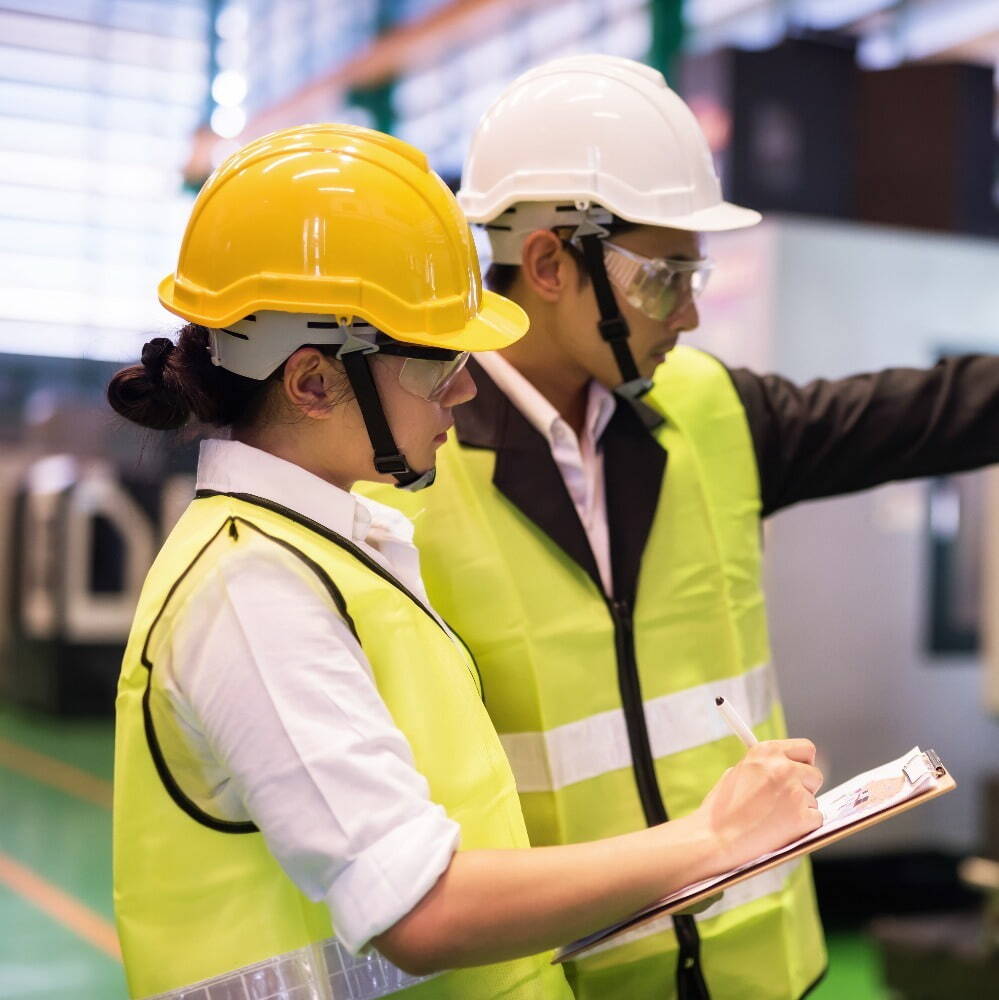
302 743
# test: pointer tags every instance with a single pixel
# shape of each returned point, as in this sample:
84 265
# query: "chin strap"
388 459
612 325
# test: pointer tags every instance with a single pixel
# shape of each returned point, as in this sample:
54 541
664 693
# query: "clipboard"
941 781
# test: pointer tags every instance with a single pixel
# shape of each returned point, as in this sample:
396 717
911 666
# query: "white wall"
847 577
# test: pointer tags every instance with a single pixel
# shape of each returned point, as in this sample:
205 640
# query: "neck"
292 448
557 377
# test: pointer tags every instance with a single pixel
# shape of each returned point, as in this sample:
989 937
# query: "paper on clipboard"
851 806
861 796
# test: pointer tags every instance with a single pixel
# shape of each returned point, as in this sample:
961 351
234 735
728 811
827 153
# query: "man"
594 535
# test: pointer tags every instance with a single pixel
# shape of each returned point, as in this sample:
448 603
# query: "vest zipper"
689 977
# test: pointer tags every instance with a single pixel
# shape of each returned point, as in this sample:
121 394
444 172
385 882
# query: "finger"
810 776
800 750
815 817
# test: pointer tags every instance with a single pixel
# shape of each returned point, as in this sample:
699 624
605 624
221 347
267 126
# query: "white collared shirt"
579 459
282 719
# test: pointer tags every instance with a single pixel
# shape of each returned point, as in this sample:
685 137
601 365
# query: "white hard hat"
594 130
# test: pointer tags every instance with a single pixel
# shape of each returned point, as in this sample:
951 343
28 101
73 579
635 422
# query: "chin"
663 356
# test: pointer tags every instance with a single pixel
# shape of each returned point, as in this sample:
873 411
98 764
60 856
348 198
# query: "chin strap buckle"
634 389
391 465
405 477
421 482
613 328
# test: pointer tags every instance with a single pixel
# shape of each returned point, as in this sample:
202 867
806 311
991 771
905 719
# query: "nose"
686 317
461 390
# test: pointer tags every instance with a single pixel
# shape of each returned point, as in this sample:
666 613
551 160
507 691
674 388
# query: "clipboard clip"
922 765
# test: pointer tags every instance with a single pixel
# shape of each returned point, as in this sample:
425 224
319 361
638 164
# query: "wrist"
719 845
706 851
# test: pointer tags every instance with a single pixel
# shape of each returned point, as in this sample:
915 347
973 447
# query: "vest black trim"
170 783
526 474
634 470
357 552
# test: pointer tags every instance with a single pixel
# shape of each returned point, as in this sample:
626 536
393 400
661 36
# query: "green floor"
66 841
853 971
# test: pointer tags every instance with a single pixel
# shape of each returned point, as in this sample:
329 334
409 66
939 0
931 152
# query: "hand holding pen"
766 800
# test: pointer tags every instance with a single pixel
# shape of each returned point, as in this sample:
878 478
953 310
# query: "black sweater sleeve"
832 437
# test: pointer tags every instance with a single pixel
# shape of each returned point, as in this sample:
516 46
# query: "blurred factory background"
866 130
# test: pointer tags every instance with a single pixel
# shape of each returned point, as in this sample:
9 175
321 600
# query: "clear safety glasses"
427 372
654 285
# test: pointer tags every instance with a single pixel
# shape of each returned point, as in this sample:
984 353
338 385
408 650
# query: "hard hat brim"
498 324
716 219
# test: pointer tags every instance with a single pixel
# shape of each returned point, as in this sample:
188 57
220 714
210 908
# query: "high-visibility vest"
201 900
605 705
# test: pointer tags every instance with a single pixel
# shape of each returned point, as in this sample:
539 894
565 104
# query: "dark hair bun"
154 358
146 393
178 382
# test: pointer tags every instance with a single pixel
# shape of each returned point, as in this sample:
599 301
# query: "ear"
308 382
545 266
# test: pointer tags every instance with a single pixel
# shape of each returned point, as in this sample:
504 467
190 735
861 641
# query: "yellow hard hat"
342 221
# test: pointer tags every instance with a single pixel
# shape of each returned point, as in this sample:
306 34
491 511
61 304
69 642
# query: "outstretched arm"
831 437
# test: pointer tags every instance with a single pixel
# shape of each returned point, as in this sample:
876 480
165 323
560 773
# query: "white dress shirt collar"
539 412
234 467
579 459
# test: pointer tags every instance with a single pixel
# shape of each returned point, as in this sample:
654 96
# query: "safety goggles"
655 285
427 372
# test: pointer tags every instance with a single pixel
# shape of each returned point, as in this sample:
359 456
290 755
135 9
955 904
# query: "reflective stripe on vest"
593 746
195 897
323 970
557 668
765 884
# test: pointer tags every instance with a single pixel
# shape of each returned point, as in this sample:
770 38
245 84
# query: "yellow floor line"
56 773
69 912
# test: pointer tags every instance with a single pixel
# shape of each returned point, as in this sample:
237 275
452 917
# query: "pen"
736 723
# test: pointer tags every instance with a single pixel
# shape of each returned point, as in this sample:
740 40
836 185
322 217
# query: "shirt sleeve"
831 437
272 678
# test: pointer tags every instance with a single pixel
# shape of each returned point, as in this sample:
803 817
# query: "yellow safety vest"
605 706
202 901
